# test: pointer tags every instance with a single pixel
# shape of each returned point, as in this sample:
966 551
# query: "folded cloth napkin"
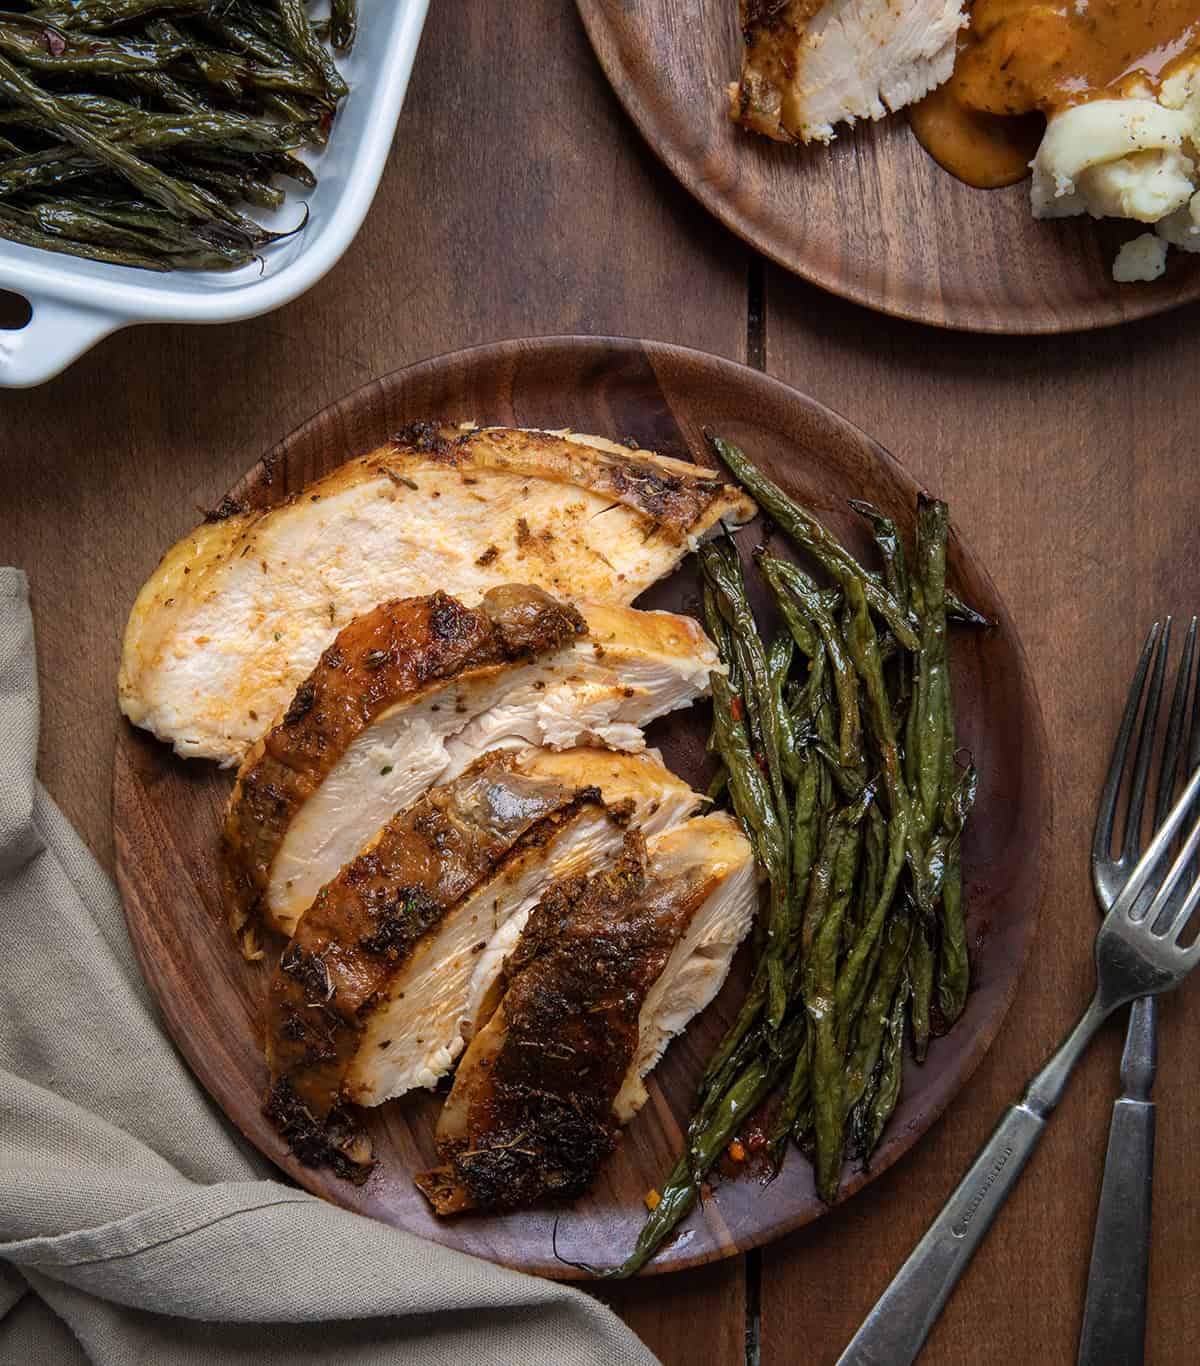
135 1226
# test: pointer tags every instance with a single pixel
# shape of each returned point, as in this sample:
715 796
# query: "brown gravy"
1023 59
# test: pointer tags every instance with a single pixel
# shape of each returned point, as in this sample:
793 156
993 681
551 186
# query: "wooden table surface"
519 200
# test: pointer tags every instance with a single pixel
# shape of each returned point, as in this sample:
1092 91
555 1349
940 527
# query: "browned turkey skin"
675 496
380 659
770 30
531 1112
364 926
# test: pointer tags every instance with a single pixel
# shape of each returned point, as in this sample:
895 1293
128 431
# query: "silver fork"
1114 1316
1138 953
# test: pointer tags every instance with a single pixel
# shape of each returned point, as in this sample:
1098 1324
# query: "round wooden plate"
166 810
872 217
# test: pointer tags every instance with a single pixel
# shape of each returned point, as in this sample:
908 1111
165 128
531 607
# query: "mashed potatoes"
1145 258
1136 157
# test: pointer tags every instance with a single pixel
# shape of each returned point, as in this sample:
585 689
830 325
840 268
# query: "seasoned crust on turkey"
607 970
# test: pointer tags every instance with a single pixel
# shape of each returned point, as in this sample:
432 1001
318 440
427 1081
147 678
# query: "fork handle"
1114 1317
895 1330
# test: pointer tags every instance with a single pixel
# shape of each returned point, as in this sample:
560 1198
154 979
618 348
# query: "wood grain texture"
508 207
1071 464
872 217
165 810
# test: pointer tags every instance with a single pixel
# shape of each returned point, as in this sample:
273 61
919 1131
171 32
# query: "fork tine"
1184 914
1169 767
1106 817
1131 892
1167 887
1145 749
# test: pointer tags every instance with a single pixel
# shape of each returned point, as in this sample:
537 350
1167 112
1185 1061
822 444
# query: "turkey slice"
239 611
812 64
367 923
608 969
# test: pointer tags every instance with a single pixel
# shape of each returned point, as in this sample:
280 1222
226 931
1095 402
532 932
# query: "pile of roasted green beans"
132 130
836 749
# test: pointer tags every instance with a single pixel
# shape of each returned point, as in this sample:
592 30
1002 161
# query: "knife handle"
1114 1316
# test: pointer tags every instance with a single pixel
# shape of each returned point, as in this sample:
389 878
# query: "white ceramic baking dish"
76 302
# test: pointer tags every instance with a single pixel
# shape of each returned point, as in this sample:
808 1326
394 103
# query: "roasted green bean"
953 974
299 30
806 821
929 749
723 570
829 895
811 536
891 550
922 967
748 789
875 1108
343 21
862 645
869 1032
957 610
779 665
927 736
787 578
798 1093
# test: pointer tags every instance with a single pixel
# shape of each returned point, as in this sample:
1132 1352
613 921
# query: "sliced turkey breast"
366 924
601 689
662 801
607 970
391 945
703 954
238 613
312 794
418 1025
812 64
408 654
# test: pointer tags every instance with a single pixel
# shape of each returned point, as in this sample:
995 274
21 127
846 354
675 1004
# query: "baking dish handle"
55 335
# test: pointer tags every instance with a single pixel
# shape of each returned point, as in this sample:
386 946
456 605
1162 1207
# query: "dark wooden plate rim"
589 355
707 185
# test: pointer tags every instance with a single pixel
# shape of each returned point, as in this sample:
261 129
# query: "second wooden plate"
872 217
166 811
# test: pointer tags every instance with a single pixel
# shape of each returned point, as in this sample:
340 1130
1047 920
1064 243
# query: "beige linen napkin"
135 1227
